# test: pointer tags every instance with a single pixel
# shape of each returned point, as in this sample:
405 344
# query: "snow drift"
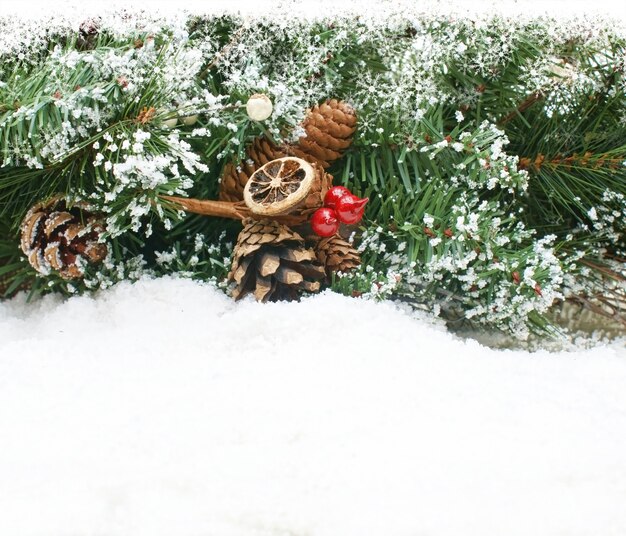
163 408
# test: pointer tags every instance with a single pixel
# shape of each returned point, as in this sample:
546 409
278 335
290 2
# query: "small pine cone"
337 255
234 178
62 238
271 261
329 129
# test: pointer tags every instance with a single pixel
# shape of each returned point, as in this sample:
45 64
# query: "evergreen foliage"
493 150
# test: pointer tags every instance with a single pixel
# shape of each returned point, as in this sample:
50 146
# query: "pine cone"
337 255
315 199
59 237
329 128
271 261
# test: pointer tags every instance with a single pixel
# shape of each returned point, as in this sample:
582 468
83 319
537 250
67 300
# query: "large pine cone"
61 238
271 261
337 255
329 129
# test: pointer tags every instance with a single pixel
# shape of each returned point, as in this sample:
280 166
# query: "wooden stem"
227 209
206 207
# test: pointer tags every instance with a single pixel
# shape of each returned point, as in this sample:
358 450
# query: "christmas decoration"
324 222
272 262
286 189
350 209
492 158
279 186
337 255
329 128
259 107
59 237
334 194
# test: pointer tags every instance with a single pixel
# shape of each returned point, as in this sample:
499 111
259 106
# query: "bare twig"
225 209
523 106
605 270
207 207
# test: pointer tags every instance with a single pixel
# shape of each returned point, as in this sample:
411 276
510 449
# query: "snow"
164 408
316 8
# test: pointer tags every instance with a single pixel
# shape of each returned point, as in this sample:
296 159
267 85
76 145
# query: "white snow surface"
79 9
164 408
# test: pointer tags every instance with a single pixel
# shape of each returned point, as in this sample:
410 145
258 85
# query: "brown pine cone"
329 129
61 238
337 255
271 261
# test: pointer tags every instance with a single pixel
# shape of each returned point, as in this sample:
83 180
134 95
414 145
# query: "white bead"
170 123
189 120
259 107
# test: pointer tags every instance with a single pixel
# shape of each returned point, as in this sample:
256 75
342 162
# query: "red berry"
334 194
324 222
350 209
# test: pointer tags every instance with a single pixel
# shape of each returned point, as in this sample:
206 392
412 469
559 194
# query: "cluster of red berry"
340 206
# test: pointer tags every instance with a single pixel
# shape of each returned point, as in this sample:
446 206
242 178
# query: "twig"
206 207
587 160
523 106
226 209
605 270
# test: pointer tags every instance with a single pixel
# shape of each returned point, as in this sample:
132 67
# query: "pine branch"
235 39
587 161
425 179
563 189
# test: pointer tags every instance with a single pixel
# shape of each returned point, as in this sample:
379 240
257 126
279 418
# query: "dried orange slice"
278 186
